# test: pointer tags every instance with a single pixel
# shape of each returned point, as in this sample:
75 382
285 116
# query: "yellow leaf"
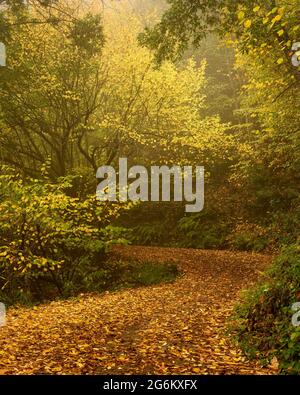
241 15
280 33
247 23
280 61
277 18
256 9
56 369
274 364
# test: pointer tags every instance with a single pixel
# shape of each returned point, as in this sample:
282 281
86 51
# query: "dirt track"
174 328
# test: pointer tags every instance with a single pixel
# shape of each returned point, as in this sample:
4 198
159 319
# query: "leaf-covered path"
174 328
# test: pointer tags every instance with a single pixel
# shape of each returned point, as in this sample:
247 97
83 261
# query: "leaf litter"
174 328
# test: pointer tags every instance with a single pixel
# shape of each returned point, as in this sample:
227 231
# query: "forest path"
176 328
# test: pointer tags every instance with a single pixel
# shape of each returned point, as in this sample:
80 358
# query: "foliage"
263 172
150 107
51 244
79 92
49 94
249 237
255 25
44 12
223 80
205 230
263 323
66 109
178 230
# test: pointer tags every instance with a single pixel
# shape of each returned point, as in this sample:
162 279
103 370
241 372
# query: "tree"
76 103
50 90
42 12
156 111
260 24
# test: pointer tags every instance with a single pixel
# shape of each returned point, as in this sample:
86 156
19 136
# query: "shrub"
50 243
203 230
263 322
249 237
137 274
168 225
